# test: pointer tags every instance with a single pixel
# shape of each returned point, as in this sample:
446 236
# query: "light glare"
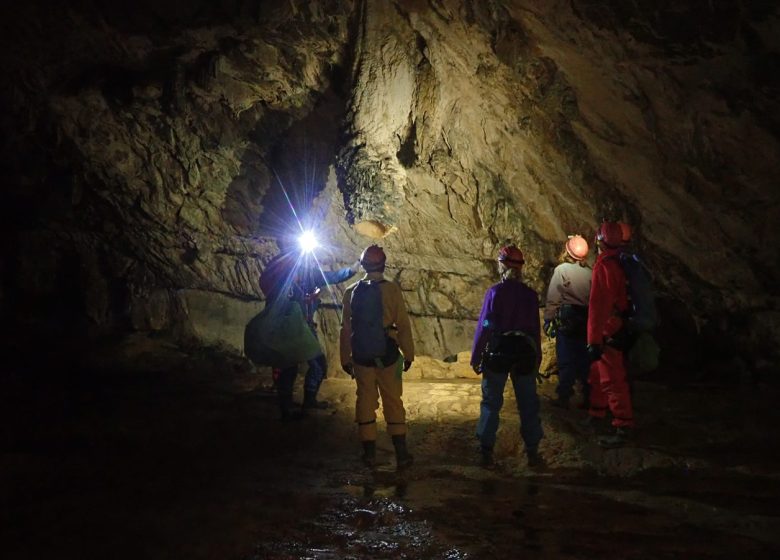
308 242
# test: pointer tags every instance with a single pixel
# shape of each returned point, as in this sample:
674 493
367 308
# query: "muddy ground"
143 451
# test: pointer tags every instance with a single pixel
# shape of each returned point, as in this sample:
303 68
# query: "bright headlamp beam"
308 242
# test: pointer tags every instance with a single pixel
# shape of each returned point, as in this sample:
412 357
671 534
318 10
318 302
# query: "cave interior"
158 155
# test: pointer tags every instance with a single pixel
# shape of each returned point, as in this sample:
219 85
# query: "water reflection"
380 485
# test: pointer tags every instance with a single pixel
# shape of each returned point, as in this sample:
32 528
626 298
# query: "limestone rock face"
158 147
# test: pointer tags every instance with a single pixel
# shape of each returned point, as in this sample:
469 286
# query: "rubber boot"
285 408
534 459
402 457
593 424
561 402
310 401
618 439
369 453
486 457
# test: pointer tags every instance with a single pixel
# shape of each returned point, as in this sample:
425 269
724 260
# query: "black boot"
593 424
534 459
617 439
310 401
561 402
369 453
285 408
402 457
486 457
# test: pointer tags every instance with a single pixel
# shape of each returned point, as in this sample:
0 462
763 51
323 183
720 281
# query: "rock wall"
151 148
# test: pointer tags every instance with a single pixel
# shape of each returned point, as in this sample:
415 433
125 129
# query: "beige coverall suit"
373 381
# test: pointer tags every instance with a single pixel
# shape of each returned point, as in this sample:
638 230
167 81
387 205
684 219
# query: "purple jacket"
509 305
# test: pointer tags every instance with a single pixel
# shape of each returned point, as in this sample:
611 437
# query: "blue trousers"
318 370
573 364
493 399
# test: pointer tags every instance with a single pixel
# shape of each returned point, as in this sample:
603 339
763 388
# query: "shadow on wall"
707 349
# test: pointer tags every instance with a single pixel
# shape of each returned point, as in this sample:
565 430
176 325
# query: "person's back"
381 375
608 297
508 306
394 317
607 306
516 307
570 285
565 319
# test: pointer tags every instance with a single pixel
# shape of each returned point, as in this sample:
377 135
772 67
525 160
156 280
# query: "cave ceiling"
154 139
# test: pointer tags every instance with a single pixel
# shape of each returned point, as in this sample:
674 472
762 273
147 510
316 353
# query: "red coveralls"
608 301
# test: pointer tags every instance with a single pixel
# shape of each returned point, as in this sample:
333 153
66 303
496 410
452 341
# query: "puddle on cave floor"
435 512
170 460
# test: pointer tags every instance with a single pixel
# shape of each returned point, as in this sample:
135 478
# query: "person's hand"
355 266
407 364
315 295
348 369
595 351
477 369
549 328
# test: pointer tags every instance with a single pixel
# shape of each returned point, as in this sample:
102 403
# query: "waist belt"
569 310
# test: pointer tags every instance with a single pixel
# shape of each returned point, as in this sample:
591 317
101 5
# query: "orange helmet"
577 247
610 234
373 258
626 232
511 256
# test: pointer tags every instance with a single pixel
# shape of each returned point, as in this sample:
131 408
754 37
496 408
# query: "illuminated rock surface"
144 149
146 145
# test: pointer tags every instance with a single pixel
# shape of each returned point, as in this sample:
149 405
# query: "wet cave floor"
148 452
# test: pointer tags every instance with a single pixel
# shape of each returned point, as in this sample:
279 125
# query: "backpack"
644 352
279 336
371 345
510 351
642 315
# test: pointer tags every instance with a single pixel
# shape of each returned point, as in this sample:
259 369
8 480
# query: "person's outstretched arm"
335 276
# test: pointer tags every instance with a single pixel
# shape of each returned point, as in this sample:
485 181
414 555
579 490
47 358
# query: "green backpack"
644 352
280 337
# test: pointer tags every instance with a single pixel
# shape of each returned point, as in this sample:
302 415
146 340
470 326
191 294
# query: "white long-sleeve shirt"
570 284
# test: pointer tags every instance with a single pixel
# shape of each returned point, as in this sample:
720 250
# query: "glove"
595 351
477 369
348 368
315 295
407 364
355 266
550 328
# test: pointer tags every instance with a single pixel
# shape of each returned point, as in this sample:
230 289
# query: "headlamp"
308 242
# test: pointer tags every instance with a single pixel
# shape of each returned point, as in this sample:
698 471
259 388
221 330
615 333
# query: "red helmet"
511 256
577 247
626 232
373 258
610 234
